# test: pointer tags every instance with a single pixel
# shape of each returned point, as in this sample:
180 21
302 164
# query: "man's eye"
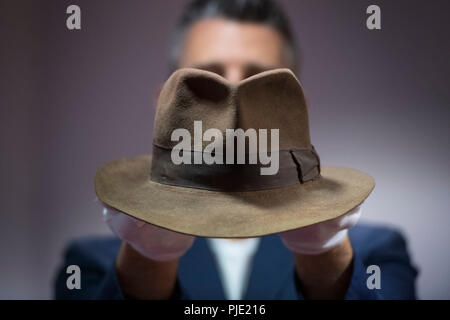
252 71
215 69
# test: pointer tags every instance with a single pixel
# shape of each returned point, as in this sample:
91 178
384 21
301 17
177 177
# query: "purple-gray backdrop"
70 100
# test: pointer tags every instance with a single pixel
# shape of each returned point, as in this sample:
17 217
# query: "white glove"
151 241
321 237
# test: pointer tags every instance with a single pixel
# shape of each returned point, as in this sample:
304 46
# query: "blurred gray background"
70 100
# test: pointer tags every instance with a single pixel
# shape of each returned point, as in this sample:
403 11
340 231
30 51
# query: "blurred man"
237 39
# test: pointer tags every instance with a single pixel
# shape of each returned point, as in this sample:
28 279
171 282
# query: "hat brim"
124 184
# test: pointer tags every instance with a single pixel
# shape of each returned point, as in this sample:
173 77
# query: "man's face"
232 49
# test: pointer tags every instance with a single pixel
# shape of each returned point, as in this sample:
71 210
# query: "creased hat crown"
269 100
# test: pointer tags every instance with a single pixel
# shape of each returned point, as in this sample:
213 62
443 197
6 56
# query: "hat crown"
269 100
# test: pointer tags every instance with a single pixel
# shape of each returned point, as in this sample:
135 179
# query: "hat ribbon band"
295 166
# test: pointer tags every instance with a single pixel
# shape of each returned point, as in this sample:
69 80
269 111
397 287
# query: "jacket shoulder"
94 256
386 247
97 250
369 237
382 244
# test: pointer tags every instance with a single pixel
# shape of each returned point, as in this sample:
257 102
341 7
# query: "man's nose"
234 74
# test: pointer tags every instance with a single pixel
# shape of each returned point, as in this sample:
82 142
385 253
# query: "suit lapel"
198 273
271 275
272 272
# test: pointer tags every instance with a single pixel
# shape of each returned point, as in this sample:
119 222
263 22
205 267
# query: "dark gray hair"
265 12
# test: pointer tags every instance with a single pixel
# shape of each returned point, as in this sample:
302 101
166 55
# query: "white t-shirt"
234 258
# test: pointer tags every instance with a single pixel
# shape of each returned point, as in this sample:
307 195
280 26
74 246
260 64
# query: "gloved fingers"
107 211
322 236
344 221
149 240
351 218
313 242
110 213
165 236
164 244
122 221
124 226
335 240
312 233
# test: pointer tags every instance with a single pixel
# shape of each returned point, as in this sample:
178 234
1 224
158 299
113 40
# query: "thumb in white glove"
151 241
321 237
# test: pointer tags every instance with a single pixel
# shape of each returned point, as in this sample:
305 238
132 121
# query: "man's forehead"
228 41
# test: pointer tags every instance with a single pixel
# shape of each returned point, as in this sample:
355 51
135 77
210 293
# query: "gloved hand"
151 241
321 237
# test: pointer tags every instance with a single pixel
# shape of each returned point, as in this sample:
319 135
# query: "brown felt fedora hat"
231 200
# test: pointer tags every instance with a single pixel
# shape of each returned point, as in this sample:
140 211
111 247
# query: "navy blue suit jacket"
272 277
